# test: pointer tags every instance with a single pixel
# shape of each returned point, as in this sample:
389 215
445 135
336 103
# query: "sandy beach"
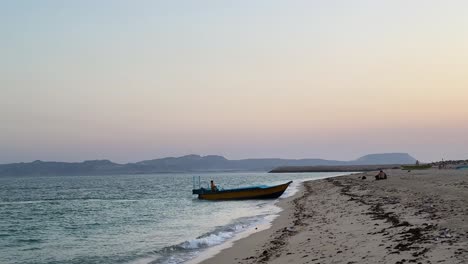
412 217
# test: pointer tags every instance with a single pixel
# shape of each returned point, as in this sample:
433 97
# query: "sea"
134 219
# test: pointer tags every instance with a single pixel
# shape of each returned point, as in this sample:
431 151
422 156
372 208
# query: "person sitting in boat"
381 176
214 188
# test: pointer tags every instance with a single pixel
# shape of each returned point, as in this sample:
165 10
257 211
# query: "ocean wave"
188 249
210 240
218 236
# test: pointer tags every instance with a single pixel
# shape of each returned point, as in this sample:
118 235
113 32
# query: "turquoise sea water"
127 218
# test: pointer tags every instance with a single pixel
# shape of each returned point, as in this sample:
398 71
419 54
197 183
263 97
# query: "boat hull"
246 193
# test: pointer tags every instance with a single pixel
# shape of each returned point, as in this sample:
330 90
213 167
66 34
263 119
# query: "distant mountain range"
189 163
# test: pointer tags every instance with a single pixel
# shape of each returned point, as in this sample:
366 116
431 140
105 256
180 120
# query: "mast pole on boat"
194 182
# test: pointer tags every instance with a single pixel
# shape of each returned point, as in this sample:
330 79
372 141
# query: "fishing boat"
253 192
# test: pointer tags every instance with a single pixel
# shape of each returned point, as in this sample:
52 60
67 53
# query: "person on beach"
213 186
381 176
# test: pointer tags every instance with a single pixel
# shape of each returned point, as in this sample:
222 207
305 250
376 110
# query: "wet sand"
412 217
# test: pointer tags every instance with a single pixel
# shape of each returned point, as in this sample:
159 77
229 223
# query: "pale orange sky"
329 79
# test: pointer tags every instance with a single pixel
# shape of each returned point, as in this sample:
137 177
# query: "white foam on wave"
292 189
211 240
211 251
190 249
219 237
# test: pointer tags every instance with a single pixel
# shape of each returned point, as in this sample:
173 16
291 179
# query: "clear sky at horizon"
135 80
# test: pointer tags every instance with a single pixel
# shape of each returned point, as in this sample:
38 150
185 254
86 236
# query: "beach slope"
412 217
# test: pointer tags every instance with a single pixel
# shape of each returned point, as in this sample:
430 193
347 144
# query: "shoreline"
413 217
249 242
212 253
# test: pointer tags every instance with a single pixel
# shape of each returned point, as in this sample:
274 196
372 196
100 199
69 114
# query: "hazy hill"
189 163
395 158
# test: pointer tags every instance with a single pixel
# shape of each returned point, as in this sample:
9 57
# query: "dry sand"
412 217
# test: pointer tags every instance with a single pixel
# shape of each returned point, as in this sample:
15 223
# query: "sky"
136 80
